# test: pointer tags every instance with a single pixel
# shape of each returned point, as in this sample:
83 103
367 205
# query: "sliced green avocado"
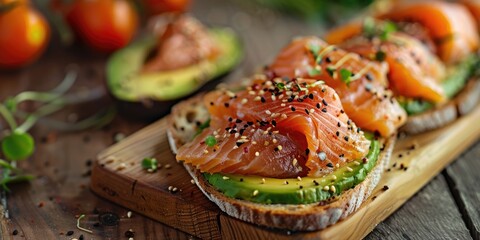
127 84
457 77
295 191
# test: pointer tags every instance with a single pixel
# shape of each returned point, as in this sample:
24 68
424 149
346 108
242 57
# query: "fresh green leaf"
345 76
380 56
387 29
314 72
202 126
18 146
280 86
210 141
150 164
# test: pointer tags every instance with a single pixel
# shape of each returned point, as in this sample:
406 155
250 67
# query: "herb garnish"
346 76
150 164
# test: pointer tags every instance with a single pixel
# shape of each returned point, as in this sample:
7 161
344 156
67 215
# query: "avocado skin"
149 96
457 77
304 191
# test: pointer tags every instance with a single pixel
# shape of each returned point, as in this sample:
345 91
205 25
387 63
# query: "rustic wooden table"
48 207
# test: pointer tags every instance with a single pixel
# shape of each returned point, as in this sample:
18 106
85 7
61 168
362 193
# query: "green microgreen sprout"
210 141
17 144
150 164
380 56
346 76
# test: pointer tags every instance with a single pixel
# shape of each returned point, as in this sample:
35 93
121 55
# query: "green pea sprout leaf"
18 146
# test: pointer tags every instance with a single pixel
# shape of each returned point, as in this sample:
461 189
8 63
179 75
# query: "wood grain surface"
47 208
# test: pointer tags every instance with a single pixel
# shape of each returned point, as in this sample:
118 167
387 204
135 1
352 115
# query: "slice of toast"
463 103
183 125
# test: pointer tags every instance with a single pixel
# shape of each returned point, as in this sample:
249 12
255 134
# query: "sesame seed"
263 180
129 214
332 189
349 169
293 109
330 165
324 102
299 178
244 101
254 142
346 138
337 165
266 143
280 147
268 112
257 154
205 151
257 98
326 188
283 104
275 141
286 182
283 116
294 162
356 163
225 178
262 99
324 110
334 177
322 156
312 110
255 193
192 181
337 133
227 105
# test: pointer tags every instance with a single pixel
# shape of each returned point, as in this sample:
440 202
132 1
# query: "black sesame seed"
385 188
81 237
211 103
239 144
306 110
241 179
324 110
310 96
15 232
315 182
227 105
307 151
238 121
300 186
337 133
346 138
330 165
293 109
69 233
324 102
328 60
230 119
262 99
250 123
318 105
342 111
129 234
275 149
274 123
338 124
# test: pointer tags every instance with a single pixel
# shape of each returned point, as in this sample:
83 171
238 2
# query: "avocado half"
147 96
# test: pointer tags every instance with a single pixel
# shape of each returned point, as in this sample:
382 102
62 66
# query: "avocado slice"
296 191
457 77
127 84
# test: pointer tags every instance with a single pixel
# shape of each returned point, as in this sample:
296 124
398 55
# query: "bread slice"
463 103
301 217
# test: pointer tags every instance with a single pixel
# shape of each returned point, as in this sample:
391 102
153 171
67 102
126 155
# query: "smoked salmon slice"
360 83
414 71
450 25
276 127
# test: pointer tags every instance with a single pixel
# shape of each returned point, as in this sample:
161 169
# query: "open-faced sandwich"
173 60
430 48
280 152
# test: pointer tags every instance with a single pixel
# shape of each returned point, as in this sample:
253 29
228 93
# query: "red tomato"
24 33
105 25
161 6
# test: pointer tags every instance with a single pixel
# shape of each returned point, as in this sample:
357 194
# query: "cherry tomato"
24 35
105 25
161 6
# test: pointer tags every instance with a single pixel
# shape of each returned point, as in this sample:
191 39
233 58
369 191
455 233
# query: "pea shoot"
17 144
346 76
150 164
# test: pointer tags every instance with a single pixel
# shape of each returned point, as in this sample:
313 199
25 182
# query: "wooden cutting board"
119 177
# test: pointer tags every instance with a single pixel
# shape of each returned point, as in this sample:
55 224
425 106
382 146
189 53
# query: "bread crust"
463 103
299 217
